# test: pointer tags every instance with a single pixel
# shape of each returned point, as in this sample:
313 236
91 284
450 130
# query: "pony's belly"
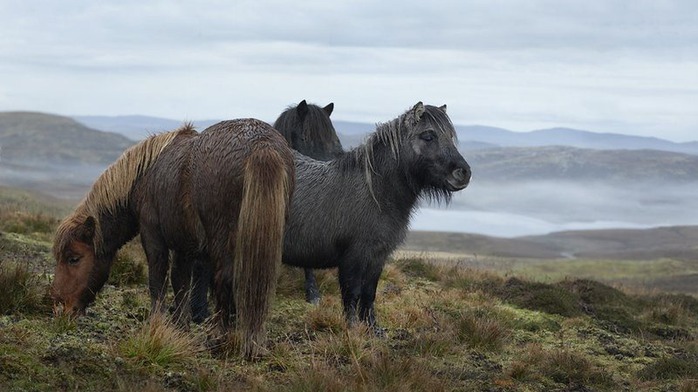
316 260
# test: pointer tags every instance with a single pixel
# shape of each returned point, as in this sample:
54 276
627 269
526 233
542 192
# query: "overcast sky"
607 66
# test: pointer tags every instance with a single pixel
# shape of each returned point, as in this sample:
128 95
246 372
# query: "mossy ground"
447 328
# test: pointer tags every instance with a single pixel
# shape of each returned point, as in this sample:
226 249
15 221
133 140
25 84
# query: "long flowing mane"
394 134
111 190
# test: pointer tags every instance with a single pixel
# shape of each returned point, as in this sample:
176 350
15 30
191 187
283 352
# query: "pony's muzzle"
459 178
62 308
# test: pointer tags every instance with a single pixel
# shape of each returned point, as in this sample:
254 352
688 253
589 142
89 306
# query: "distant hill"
676 242
569 163
569 137
39 139
137 127
471 136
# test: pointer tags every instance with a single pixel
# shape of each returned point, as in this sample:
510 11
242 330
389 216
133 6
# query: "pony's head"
423 141
80 273
309 130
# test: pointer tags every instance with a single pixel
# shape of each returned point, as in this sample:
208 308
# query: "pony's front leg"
181 285
367 313
158 262
350 285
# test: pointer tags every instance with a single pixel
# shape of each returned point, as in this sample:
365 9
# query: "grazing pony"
353 212
221 196
308 129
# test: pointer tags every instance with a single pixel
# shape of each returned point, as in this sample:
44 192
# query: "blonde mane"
111 190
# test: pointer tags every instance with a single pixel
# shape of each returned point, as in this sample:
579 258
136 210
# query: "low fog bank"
541 207
492 208
69 182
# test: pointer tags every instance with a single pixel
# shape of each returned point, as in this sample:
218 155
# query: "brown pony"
220 196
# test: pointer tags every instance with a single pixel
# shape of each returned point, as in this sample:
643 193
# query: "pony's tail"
268 184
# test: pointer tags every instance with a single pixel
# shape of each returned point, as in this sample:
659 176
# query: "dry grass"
160 342
448 328
21 290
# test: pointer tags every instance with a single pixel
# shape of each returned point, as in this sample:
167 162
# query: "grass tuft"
419 268
481 331
21 291
541 296
670 368
559 365
326 316
159 342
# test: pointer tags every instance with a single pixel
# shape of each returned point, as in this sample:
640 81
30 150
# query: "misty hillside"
38 139
137 127
569 163
569 137
677 242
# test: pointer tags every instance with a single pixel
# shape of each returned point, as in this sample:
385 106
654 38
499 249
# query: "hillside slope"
569 163
39 139
680 242
570 137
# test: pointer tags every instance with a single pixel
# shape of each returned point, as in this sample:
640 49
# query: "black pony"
353 212
309 130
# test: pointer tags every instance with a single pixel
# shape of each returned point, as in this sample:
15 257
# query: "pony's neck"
387 179
390 183
117 230
113 229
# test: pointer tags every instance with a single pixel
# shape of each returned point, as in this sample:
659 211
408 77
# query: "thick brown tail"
268 184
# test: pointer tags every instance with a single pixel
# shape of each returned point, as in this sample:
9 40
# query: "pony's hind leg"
201 281
181 285
312 292
223 287
158 262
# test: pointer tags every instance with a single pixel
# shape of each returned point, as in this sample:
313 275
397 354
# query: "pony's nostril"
459 174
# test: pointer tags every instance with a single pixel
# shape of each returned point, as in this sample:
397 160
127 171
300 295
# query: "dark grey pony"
308 129
353 212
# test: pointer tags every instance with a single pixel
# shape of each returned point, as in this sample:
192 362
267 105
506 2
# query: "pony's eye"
73 259
427 136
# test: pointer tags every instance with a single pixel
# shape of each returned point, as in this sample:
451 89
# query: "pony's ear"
86 232
443 107
329 108
302 110
418 111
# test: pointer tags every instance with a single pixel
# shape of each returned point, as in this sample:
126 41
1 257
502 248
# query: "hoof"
379 332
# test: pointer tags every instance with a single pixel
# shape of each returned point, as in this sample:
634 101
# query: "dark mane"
308 129
321 129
